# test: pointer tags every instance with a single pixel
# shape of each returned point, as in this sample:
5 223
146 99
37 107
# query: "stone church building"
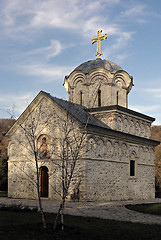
117 157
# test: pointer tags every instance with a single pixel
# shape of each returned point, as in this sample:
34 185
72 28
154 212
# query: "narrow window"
99 98
117 98
81 98
132 168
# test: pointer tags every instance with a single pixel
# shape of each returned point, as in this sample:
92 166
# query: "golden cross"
98 39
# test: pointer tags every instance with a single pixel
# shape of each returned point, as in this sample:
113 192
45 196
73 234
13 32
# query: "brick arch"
125 124
116 146
125 80
99 76
77 78
119 82
124 150
119 123
133 154
99 147
91 149
108 148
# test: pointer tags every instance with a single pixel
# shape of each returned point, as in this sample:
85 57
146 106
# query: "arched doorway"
44 181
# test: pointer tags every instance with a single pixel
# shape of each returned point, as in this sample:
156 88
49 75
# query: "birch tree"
71 144
26 138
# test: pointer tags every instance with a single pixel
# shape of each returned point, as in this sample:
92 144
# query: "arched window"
81 98
99 98
44 181
133 163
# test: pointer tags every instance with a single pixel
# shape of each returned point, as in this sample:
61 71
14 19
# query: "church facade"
116 157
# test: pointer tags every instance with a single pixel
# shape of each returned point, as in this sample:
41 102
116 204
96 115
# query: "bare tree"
67 140
10 111
27 131
72 146
31 130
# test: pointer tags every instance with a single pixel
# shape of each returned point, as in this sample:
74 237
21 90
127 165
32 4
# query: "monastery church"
117 157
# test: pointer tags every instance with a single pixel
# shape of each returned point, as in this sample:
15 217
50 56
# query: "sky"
42 41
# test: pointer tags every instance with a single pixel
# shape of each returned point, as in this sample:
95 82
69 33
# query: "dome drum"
102 80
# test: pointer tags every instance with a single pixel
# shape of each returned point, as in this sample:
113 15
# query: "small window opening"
99 98
117 98
132 168
81 98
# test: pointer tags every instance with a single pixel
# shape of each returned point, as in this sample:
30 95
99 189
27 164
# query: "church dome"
98 83
90 65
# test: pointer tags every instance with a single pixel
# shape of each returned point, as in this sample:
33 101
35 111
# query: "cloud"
51 51
121 40
145 109
46 72
122 57
78 16
151 110
138 9
50 12
28 20
136 12
84 18
15 103
158 119
71 15
23 20
155 91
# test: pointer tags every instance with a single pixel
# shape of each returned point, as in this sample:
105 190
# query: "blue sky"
41 41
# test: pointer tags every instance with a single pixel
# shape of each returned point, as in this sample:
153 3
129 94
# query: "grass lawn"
153 208
27 226
3 193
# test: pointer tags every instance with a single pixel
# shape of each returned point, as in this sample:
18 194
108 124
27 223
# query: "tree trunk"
38 193
62 219
60 213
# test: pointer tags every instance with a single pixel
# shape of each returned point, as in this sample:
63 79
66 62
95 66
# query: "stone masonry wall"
21 164
124 122
102 173
83 88
108 171
22 179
